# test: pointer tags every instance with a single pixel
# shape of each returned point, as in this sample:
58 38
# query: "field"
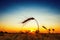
29 36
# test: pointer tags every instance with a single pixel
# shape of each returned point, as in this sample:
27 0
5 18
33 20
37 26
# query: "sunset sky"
13 12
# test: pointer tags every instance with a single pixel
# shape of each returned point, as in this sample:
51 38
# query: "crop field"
30 36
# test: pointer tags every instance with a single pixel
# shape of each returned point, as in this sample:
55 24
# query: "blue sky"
10 5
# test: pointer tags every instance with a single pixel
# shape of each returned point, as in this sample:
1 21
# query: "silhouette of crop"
28 36
31 18
49 30
1 33
44 27
28 20
8 39
53 30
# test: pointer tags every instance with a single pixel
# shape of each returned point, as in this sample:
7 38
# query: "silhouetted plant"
6 32
44 27
8 39
25 37
49 30
31 18
37 31
21 32
53 30
1 33
15 36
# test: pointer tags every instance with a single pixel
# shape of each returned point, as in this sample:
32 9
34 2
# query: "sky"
13 12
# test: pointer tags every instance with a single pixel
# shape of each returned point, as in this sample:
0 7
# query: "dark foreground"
30 36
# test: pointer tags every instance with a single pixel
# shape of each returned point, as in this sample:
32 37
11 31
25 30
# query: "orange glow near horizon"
30 26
